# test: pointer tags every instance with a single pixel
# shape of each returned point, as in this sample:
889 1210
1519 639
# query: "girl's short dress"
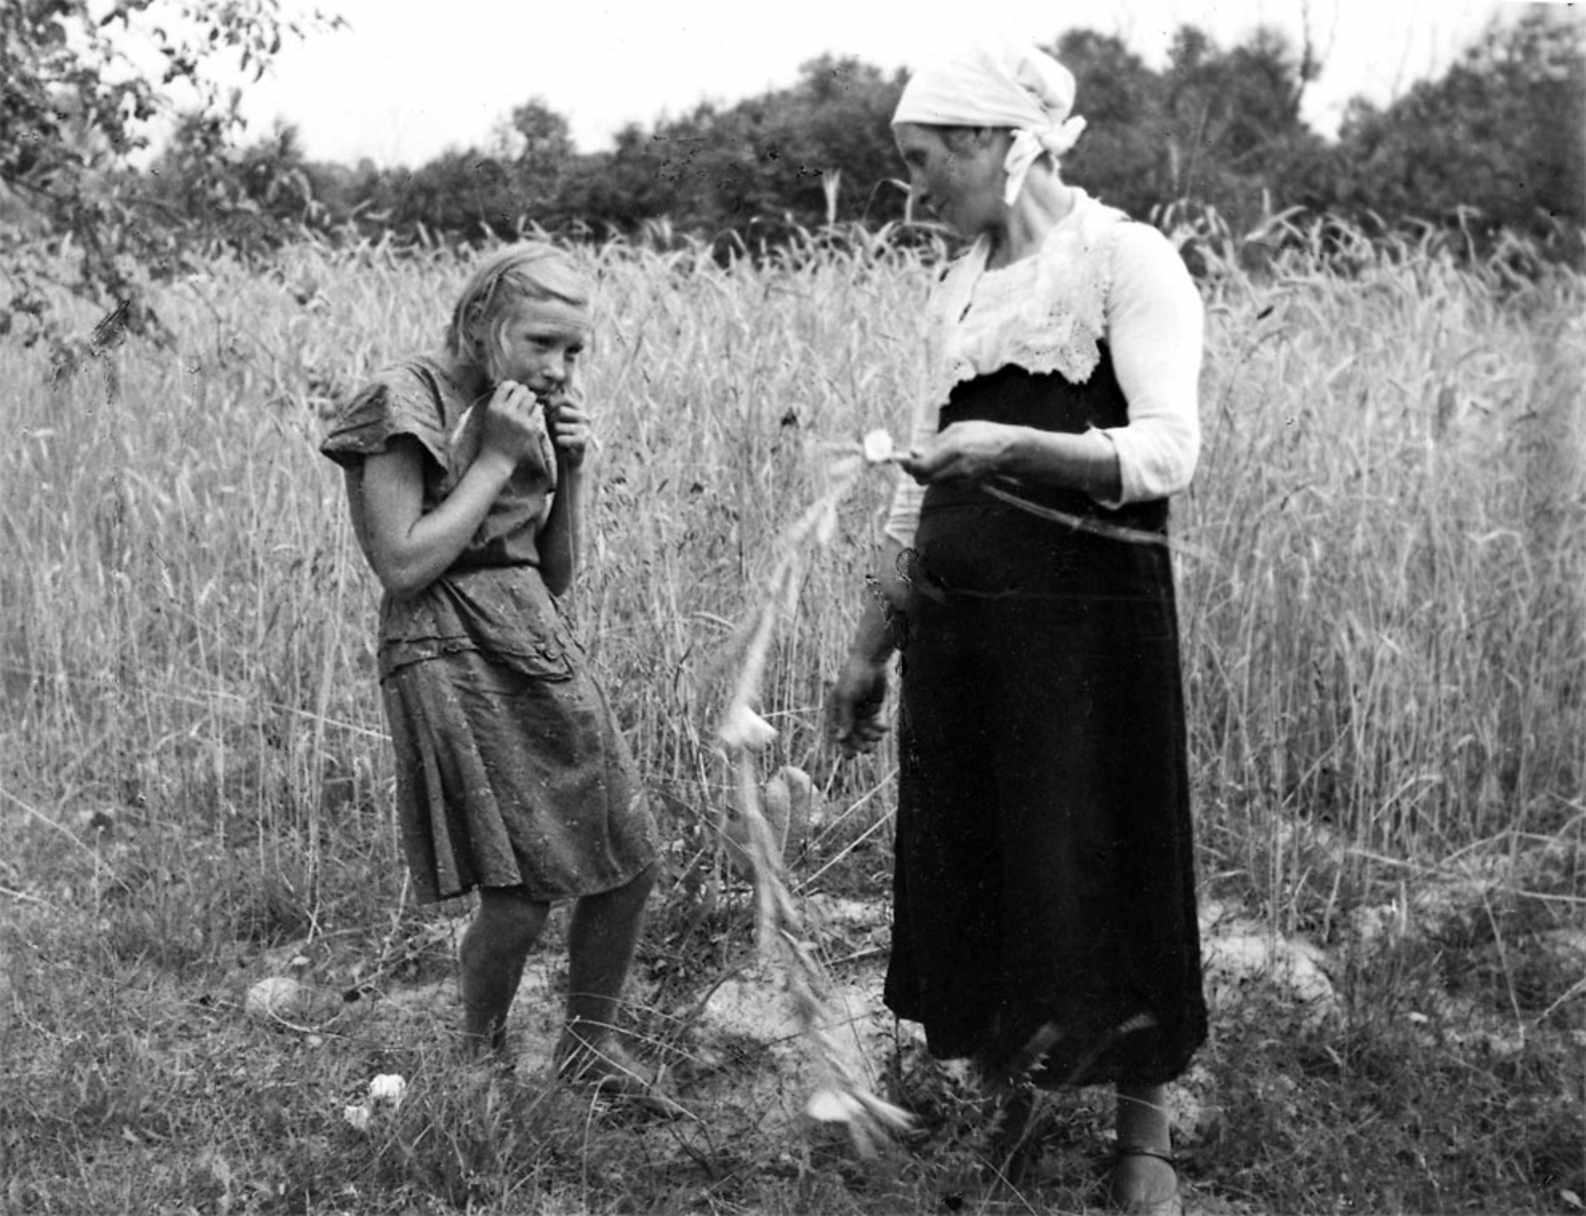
511 770
1045 918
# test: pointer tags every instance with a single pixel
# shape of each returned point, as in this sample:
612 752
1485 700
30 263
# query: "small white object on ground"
385 1093
387 1089
275 998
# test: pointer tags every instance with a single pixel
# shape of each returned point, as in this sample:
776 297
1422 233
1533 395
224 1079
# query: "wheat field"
1382 587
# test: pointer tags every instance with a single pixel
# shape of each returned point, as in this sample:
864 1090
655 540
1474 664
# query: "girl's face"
959 180
538 345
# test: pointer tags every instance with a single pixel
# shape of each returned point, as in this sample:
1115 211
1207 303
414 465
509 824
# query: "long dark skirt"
1044 884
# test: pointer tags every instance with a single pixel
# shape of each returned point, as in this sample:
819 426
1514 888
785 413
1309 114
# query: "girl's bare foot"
606 1069
602 1063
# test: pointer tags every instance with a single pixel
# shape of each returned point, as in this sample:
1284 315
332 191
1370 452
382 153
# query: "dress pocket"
541 660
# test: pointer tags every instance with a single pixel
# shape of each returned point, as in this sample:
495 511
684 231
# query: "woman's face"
960 179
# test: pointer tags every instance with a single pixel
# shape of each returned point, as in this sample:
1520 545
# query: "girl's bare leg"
600 944
492 955
1142 1182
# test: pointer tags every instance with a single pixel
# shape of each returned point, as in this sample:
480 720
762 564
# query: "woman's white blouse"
1097 277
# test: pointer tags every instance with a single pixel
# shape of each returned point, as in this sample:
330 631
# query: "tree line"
1493 145
1489 149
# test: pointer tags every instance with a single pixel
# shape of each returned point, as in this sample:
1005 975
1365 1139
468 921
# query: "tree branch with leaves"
84 89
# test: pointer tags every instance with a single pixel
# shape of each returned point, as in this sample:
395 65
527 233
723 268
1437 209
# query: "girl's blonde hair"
532 271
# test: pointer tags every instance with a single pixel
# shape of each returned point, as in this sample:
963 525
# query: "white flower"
878 447
357 1117
742 727
387 1089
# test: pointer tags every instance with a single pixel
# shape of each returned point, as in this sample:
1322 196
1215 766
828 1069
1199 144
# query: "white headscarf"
999 85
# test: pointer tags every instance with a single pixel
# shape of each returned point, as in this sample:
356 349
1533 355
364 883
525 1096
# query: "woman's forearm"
857 696
886 593
874 639
1087 461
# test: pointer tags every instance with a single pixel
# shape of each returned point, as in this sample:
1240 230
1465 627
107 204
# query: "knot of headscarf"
1001 85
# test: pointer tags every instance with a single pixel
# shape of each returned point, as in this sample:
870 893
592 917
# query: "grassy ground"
1385 659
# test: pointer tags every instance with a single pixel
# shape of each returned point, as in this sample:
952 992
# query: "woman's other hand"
514 428
853 707
966 451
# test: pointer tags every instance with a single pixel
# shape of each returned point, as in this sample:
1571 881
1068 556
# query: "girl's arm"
409 548
562 532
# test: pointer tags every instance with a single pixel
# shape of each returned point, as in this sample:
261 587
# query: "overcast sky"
409 78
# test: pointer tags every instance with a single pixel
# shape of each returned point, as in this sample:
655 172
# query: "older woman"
1044 882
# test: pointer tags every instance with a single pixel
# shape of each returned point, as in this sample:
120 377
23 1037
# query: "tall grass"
1391 639
1384 642
1383 629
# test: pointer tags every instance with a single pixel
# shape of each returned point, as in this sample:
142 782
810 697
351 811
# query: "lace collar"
1044 313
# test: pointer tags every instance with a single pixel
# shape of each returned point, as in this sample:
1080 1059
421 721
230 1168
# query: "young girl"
464 476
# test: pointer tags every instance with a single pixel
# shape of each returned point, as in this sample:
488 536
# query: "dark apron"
1044 878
